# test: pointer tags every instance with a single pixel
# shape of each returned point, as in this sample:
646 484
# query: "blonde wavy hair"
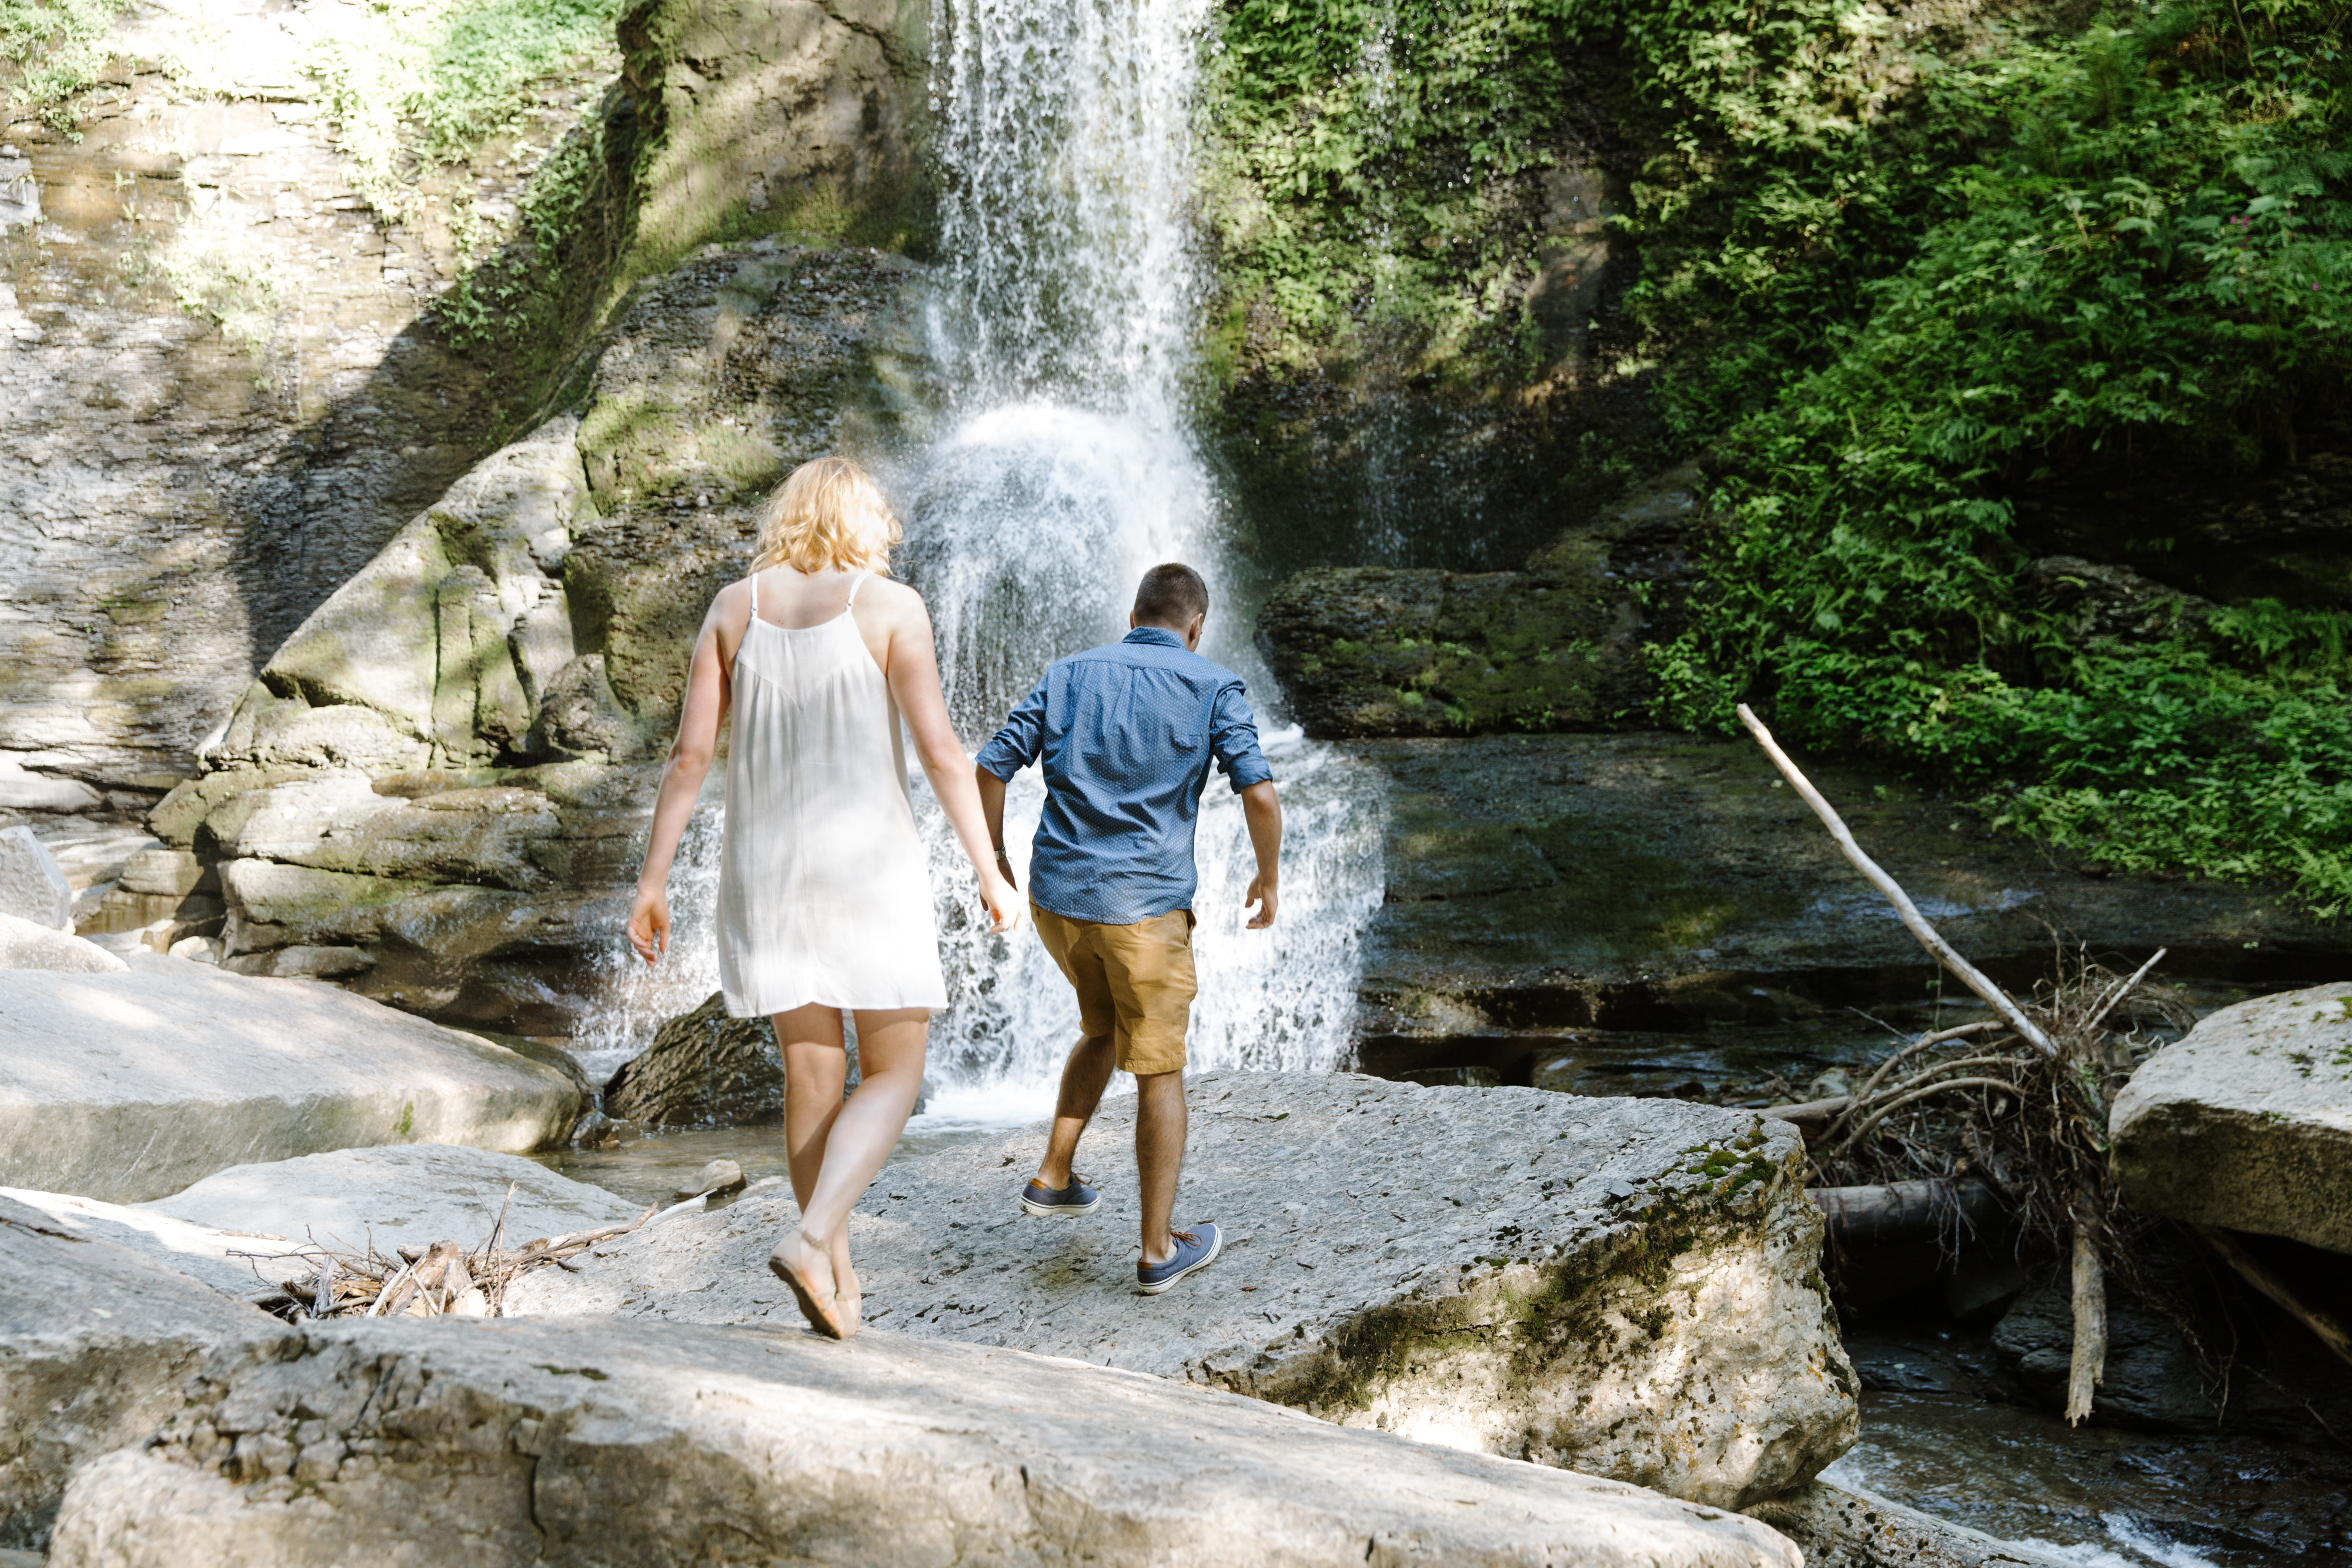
827 515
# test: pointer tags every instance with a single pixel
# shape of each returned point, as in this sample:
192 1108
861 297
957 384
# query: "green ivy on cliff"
1370 166
428 81
2116 243
54 48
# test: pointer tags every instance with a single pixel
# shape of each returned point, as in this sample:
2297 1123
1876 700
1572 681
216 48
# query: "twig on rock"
1913 921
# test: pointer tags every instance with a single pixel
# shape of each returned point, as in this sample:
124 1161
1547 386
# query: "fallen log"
1867 1217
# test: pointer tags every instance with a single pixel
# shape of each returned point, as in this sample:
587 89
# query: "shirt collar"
1157 634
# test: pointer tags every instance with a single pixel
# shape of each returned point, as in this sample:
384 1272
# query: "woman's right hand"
649 923
1004 903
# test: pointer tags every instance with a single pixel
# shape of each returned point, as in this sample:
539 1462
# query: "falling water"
1065 323
1063 326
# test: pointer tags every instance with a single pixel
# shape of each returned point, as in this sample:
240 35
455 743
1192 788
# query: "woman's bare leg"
890 1047
816 1065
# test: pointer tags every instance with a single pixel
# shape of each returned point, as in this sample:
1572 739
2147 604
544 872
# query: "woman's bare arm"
707 695
913 670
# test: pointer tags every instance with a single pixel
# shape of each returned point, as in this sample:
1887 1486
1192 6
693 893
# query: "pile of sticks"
2019 1102
444 1279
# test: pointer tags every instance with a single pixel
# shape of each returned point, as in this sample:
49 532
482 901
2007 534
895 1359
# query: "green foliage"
57 48
414 82
2129 241
1371 173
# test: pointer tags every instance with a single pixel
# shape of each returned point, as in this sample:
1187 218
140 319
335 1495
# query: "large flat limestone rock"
596 1442
2247 1121
95 1344
130 1086
1624 1287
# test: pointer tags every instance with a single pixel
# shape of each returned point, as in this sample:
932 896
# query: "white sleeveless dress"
824 895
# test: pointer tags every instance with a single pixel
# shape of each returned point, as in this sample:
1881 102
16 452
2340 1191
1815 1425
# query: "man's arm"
991 808
1014 747
1263 810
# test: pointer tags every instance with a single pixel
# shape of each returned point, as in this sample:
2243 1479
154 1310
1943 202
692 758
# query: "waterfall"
1063 326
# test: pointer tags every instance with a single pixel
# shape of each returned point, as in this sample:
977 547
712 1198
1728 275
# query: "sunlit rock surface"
96 1343
626 1443
2247 1122
1624 1287
130 1086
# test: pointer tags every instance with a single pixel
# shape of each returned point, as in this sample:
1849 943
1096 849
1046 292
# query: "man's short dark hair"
1170 595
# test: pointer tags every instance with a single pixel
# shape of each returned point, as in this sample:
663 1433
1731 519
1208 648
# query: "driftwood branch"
2088 1366
2323 1325
1913 921
2124 990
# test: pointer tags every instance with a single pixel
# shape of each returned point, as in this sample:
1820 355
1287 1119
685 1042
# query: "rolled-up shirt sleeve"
1232 739
1016 745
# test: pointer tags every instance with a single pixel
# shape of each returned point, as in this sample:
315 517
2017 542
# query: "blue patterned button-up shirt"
1127 732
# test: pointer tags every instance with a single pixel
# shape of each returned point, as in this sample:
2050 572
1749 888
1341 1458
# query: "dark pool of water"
2105 1496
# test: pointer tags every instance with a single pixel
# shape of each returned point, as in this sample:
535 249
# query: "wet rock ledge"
1628 1288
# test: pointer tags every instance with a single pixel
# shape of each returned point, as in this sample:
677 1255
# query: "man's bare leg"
1160 1127
1084 1078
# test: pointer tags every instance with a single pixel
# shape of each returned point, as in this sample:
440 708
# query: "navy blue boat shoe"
1073 1199
1194 1249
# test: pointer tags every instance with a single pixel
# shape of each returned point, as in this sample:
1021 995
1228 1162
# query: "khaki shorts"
1134 982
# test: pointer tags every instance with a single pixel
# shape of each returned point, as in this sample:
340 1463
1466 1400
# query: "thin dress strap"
755 593
855 584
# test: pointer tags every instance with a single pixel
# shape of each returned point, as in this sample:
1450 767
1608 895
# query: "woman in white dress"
824 902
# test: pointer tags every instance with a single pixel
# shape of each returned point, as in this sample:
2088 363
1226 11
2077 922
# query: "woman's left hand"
1004 903
649 923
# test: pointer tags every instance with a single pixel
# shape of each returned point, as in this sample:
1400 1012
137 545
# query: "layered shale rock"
2247 1122
96 1343
598 1443
1624 1287
132 1086
436 791
220 392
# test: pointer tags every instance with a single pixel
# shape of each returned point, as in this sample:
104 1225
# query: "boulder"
2247 1122
29 945
601 1443
416 1192
1625 1287
132 1086
95 1344
33 887
703 1070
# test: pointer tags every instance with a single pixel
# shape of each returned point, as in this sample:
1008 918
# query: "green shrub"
57 48
2125 242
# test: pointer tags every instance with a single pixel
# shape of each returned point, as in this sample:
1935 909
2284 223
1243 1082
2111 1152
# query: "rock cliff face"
401 686
220 394
438 782
228 381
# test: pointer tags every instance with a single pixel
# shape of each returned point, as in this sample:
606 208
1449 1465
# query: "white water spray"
1064 326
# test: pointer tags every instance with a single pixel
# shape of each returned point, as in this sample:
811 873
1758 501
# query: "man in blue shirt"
1127 734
